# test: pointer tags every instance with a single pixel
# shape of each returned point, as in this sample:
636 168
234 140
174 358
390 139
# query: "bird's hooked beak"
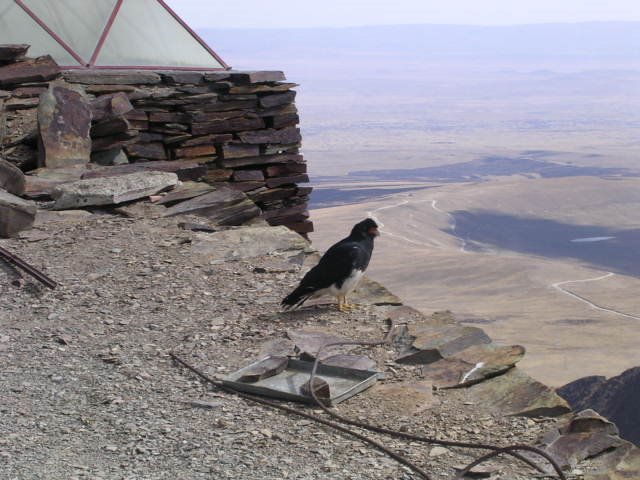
373 231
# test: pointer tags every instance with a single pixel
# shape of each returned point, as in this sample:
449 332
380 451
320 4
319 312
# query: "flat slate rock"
182 77
431 344
186 191
16 214
112 190
223 205
262 88
37 188
247 242
107 158
472 365
616 398
516 393
64 120
265 368
270 135
406 314
112 77
111 106
585 435
184 169
11 178
13 52
41 69
373 293
245 77
17 103
623 463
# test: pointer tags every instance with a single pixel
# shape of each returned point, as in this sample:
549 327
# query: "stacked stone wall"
237 128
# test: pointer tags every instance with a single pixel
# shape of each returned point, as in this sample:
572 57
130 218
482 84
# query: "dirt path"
558 287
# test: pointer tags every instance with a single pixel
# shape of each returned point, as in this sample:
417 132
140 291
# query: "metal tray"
343 382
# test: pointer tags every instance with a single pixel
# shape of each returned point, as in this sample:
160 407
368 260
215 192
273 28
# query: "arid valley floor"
496 240
527 259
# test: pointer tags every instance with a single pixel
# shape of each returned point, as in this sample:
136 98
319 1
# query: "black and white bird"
339 270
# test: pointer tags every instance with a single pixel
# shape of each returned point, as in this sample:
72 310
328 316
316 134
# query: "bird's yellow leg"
346 306
342 304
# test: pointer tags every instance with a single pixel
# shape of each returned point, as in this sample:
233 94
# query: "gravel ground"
88 389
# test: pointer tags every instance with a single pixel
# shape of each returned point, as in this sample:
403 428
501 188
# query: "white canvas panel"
18 27
79 23
145 34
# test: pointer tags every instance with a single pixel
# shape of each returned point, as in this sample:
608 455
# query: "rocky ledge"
89 389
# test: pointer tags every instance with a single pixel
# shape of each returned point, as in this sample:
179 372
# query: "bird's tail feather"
295 298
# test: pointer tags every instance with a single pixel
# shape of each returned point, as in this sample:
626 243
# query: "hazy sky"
341 13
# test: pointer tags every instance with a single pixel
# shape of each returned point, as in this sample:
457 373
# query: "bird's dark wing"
336 265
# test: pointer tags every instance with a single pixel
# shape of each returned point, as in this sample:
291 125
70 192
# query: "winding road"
463 243
558 287
452 224
372 214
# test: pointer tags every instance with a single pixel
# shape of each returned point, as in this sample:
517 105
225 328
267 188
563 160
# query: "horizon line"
474 25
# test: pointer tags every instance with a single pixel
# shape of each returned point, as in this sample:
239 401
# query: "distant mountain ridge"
593 39
490 166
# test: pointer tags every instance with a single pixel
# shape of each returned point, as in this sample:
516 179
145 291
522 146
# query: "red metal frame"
194 35
105 33
44 26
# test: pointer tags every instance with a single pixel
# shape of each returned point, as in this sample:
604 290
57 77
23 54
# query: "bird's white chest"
349 284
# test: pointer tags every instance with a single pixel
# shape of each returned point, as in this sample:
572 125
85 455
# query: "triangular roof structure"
113 34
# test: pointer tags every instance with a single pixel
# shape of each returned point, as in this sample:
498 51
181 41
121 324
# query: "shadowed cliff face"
610 249
616 399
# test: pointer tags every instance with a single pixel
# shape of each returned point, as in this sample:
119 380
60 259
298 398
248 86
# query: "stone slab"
64 120
11 178
112 190
41 69
431 344
185 169
185 191
16 214
472 365
516 393
246 242
251 76
112 77
277 99
271 135
373 293
262 88
115 156
261 160
224 206
10 53
585 435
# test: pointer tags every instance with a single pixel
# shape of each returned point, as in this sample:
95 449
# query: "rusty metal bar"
34 272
